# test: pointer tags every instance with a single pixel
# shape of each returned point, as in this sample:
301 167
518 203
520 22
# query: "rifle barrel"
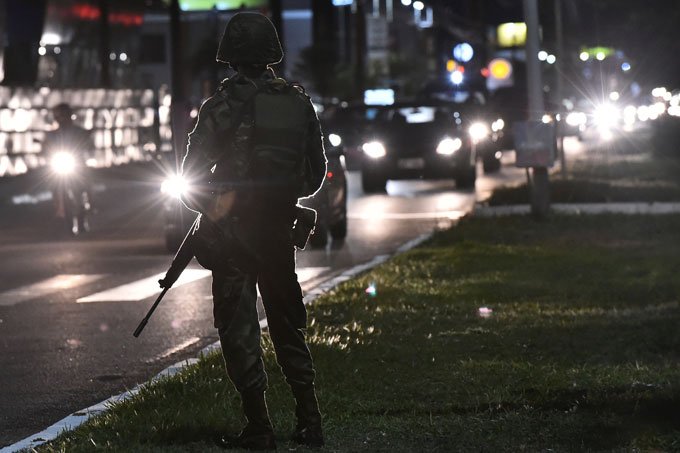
142 324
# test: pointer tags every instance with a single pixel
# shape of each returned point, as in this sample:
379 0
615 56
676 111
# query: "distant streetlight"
457 77
600 56
584 56
463 52
418 5
406 2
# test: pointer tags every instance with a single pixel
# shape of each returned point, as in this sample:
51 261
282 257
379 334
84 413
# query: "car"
347 122
330 202
428 140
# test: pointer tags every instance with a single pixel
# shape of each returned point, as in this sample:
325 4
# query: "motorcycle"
71 192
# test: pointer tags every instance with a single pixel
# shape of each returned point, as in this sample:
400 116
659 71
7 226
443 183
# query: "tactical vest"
279 138
276 119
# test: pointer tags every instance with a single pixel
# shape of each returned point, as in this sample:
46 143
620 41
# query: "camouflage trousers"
236 317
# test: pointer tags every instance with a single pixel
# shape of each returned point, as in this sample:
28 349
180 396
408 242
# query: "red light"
329 175
485 72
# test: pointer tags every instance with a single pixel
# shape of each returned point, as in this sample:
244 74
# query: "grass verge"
623 171
580 352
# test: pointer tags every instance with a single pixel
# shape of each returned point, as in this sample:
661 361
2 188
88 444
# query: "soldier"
258 142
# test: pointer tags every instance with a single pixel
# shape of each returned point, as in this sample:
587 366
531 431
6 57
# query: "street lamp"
418 5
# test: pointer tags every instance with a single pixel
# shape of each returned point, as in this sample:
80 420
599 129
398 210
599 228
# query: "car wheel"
339 229
467 178
319 238
372 183
491 164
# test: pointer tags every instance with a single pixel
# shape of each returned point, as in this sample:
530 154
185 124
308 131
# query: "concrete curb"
654 208
77 418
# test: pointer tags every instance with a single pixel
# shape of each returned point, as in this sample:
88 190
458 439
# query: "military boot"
258 433
308 430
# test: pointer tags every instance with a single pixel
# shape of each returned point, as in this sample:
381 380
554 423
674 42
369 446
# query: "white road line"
142 289
453 215
305 274
43 288
174 350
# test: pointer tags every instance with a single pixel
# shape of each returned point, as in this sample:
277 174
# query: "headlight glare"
498 125
575 119
175 186
335 139
449 146
606 115
63 162
479 131
374 149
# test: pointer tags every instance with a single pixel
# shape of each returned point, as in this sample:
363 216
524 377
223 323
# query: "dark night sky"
648 31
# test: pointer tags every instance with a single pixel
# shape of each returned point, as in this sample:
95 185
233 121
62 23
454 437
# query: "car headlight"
335 139
175 186
575 119
449 146
374 149
606 115
498 125
63 162
478 131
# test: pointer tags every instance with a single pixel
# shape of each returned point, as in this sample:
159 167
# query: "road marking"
305 274
147 287
142 289
174 350
46 287
453 215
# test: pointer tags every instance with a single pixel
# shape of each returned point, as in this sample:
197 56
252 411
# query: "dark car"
330 202
429 140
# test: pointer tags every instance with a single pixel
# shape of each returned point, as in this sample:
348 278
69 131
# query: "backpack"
276 156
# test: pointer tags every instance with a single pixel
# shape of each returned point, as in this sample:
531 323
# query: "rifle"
179 263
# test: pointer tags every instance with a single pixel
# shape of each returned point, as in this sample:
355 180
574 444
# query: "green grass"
581 351
626 171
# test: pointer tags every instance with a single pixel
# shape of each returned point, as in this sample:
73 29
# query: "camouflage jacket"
216 140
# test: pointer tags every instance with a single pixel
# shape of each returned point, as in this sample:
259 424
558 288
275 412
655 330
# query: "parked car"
330 203
429 140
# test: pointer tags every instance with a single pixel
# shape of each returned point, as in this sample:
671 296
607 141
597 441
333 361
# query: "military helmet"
250 38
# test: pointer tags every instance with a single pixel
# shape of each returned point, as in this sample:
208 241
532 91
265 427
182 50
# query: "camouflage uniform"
243 134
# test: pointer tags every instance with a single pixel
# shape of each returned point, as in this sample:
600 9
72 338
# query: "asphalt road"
68 306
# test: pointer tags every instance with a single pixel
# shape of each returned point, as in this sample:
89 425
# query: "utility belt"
227 234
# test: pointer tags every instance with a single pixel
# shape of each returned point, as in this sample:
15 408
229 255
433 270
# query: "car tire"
339 229
319 238
466 178
373 183
491 164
